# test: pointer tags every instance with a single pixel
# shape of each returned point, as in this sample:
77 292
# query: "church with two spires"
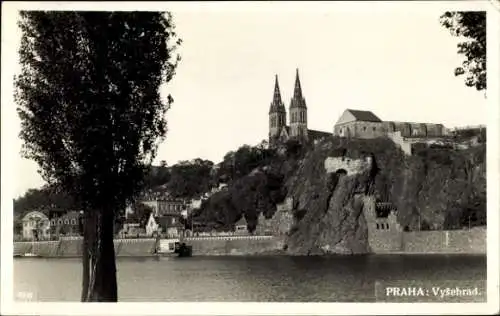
279 131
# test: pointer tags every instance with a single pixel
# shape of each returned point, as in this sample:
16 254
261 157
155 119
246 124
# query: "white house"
152 226
36 225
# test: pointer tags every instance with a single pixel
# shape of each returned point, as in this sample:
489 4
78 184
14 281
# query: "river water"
251 279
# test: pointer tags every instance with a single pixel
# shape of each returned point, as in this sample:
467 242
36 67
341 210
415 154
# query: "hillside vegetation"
436 188
433 189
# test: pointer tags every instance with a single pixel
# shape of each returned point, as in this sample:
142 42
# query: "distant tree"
157 176
91 115
47 199
141 213
18 227
190 179
471 27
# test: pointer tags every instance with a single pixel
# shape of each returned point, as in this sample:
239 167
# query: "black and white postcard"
217 158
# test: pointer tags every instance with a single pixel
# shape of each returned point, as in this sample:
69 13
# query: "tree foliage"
471 27
190 179
92 115
47 199
141 213
239 163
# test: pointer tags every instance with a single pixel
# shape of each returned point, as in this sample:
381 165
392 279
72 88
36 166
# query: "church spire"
297 92
277 104
298 99
277 94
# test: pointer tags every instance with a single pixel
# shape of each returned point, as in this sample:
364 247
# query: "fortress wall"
401 142
384 234
352 166
423 241
452 241
234 245
388 236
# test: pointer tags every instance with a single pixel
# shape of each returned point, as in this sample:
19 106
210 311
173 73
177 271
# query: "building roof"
166 221
71 215
34 214
242 221
365 116
313 134
131 221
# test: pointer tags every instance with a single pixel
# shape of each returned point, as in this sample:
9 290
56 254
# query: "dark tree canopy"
471 27
47 199
92 116
190 179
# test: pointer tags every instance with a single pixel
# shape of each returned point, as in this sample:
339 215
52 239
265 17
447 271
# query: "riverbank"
471 241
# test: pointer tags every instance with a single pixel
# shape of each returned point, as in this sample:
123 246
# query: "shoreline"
468 242
279 254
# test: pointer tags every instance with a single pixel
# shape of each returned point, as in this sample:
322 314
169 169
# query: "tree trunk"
99 267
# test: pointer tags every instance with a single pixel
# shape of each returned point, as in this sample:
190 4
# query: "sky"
398 64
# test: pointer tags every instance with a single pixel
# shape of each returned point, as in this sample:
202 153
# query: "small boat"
173 247
30 254
167 247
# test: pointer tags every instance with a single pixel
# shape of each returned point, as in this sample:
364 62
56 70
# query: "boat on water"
173 248
30 254
27 255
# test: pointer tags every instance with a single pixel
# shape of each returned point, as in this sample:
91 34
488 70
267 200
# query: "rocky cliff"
434 189
330 199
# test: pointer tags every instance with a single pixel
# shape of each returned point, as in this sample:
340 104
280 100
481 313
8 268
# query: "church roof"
313 134
365 116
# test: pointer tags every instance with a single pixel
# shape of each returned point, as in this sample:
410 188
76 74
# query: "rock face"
332 202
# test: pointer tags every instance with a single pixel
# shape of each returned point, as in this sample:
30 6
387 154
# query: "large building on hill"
279 131
365 124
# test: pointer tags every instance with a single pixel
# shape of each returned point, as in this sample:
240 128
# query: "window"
377 226
374 128
173 220
73 221
364 128
387 226
60 222
66 221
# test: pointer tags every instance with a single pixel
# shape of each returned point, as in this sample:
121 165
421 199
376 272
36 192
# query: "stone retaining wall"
73 247
235 245
452 241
